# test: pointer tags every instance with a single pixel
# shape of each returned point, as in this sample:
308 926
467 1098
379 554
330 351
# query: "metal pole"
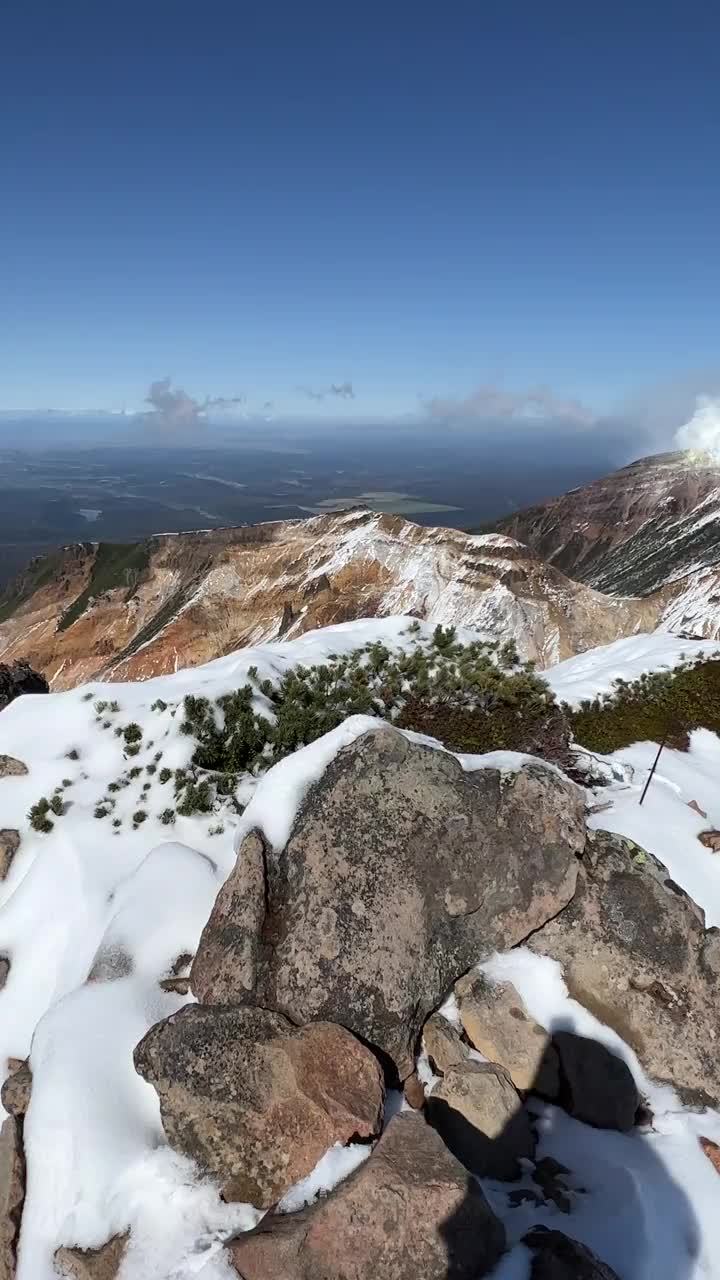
655 763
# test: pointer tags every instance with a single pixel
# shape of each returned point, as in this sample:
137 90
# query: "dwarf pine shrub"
658 704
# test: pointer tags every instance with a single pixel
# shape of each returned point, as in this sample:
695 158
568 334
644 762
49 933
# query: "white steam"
702 433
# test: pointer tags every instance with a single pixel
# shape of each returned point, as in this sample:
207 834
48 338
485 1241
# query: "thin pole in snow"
655 764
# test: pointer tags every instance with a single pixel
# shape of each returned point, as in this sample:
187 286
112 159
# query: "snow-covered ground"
122 903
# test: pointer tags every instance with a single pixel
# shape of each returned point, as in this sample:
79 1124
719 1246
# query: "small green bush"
139 816
117 822
135 771
38 816
167 817
101 811
57 805
165 775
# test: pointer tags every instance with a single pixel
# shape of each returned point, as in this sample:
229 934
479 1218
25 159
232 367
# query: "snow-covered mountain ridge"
636 531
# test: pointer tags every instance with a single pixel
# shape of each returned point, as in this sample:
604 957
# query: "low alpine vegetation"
658 705
476 697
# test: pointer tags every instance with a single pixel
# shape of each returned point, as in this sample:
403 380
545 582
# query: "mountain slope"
129 612
635 531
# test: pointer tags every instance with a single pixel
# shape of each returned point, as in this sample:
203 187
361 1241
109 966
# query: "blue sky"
418 199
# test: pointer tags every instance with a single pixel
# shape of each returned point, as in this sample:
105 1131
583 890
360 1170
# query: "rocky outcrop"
559 1257
12 1194
635 952
18 678
93 1264
411 1210
255 1101
10 767
595 1085
9 845
480 1117
368 923
4 970
497 1024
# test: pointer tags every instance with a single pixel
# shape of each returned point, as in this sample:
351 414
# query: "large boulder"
635 952
12 1194
17 1089
411 1210
401 871
18 678
255 1101
481 1119
497 1024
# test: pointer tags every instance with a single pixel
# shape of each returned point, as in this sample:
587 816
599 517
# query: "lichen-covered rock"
93 1264
256 1101
409 1211
497 1024
12 1194
635 952
9 845
401 870
481 1119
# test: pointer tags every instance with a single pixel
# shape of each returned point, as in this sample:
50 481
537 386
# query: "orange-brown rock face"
131 612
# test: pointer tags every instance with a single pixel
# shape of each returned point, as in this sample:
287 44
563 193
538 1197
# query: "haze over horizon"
482 223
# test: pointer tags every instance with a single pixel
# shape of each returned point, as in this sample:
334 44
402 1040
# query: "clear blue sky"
416 197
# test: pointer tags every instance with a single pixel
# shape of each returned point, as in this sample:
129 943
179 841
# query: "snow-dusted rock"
9 845
481 1119
93 1264
559 1257
635 952
11 767
496 1023
411 1210
255 1101
400 870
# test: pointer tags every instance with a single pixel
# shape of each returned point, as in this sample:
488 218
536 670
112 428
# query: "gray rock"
497 1024
4 970
411 1210
10 767
255 1101
12 1194
93 1264
9 845
595 1085
16 1090
481 1119
368 923
443 1045
635 952
558 1257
